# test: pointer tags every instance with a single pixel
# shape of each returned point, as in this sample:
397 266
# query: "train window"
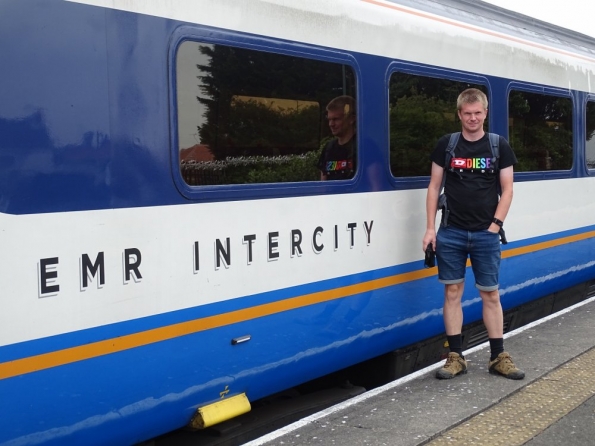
540 131
590 143
421 110
247 116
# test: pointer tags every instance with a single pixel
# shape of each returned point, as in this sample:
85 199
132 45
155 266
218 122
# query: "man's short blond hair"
346 104
471 96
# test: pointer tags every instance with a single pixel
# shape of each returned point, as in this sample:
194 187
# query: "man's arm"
432 205
506 182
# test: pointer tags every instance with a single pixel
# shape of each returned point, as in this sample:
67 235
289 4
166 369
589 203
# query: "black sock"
496 347
455 344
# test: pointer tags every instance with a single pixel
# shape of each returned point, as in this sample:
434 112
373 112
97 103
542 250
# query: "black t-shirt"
471 186
338 161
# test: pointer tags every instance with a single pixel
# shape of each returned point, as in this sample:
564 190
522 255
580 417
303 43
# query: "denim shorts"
454 245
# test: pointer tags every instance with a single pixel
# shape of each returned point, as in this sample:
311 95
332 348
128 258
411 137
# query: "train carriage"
169 253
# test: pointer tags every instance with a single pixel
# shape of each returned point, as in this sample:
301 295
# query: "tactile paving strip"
520 417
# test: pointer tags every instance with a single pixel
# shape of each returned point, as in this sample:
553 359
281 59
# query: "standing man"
475 218
338 158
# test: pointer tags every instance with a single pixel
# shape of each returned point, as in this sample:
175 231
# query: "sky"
571 14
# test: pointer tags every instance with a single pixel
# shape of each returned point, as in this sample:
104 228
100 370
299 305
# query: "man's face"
339 124
472 116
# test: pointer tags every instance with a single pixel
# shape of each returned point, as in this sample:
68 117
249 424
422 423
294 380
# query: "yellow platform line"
524 415
100 348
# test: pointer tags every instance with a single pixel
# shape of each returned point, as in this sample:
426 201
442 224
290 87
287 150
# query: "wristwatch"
498 222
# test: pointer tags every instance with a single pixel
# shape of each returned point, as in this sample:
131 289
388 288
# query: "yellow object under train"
220 411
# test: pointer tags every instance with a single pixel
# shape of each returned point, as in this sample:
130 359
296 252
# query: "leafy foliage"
417 122
240 128
252 170
541 131
422 110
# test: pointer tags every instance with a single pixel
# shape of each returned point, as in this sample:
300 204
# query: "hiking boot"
504 366
455 365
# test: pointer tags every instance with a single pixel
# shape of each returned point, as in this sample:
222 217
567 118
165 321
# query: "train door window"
421 110
540 131
248 116
590 142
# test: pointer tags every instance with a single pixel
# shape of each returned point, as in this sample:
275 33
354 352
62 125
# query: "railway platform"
553 405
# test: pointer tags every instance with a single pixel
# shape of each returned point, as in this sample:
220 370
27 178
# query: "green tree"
417 122
422 109
232 72
541 131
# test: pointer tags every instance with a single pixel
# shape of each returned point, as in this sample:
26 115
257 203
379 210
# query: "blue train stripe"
65 356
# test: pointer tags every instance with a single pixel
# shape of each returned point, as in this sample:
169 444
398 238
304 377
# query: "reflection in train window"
590 143
247 116
540 131
421 110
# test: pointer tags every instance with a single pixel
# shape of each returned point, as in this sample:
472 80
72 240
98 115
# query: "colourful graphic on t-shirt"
333 166
471 163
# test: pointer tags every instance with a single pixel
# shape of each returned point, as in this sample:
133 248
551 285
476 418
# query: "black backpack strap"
450 150
495 146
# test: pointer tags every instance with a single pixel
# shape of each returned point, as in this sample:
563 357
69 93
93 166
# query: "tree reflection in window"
590 139
247 116
540 128
422 109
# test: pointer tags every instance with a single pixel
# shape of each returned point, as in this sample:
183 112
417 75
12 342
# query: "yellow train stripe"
95 349
549 244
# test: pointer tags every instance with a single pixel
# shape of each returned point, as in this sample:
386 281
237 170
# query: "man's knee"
490 297
454 291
